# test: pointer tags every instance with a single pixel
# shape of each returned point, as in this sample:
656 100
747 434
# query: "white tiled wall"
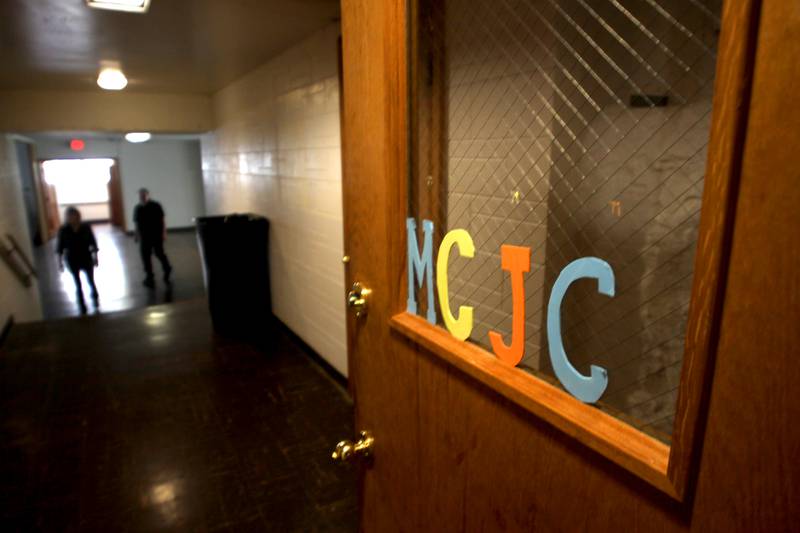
276 151
15 299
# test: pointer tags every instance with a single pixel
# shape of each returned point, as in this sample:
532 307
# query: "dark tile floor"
145 421
119 276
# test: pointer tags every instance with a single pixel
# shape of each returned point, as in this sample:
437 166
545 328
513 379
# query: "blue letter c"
586 389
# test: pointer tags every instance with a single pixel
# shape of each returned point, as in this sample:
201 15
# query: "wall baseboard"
182 229
329 369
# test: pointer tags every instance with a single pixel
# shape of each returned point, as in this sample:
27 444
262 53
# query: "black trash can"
235 254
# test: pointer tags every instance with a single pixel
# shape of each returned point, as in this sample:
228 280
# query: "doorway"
90 185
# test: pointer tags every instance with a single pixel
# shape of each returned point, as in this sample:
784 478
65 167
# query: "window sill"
631 449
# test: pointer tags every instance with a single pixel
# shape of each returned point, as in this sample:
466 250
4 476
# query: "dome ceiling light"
128 6
137 137
112 79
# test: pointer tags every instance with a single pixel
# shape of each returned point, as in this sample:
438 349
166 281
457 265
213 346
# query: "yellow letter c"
460 328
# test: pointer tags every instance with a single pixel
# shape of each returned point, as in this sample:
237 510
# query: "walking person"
76 242
151 233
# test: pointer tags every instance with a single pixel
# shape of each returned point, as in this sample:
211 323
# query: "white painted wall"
15 299
171 171
169 168
47 147
31 111
276 151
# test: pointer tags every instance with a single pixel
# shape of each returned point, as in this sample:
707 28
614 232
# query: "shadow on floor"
146 421
119 276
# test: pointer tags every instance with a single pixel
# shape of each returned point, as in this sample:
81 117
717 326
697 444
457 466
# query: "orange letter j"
516 260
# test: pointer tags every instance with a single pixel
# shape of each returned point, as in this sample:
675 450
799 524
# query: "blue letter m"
417 263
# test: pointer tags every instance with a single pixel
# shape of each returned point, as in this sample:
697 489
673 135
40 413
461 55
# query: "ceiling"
180 46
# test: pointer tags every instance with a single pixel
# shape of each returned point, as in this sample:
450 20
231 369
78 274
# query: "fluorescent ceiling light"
137 137
112 79
129 6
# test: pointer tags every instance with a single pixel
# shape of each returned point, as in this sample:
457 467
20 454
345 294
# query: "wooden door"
48 203
115 202
467 442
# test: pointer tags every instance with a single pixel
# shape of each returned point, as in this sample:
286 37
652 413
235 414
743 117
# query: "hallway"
124 422
119 275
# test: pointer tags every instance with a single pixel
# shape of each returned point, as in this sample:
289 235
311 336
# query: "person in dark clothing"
151 232
76 242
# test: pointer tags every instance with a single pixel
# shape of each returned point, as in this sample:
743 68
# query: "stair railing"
14 257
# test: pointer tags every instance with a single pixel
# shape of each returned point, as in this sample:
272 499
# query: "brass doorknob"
348 451
357 298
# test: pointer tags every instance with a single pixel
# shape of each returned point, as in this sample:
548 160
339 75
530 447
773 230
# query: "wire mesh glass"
576 128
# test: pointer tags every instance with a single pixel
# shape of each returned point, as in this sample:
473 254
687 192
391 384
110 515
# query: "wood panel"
492 466
616 440
750 475
736 55
48 204
115 201
375 166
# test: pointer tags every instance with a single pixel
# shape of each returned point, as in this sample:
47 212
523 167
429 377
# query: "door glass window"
577 129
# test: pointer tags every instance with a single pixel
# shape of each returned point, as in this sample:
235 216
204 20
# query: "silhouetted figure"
76 241
151 232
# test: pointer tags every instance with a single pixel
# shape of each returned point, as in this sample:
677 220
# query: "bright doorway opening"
87 184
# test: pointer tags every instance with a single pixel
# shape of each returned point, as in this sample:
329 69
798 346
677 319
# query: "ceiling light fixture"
112 79
137 137
128 6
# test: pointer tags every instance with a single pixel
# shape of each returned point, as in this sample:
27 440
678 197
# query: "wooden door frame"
40 177
671 469
48 203
116 210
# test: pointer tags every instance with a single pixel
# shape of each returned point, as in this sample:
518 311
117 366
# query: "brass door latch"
357 298
348 451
